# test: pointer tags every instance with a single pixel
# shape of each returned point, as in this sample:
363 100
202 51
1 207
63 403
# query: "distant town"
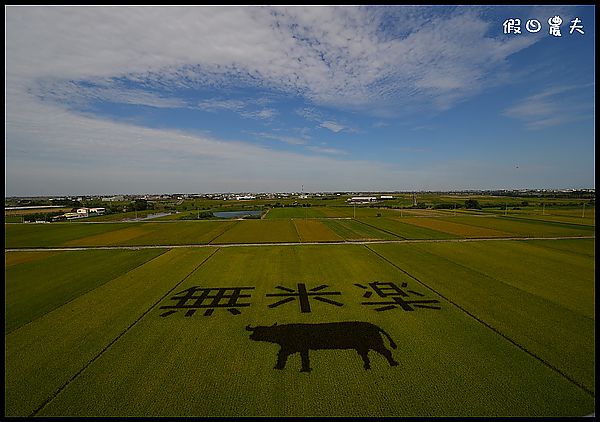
135 207
239 196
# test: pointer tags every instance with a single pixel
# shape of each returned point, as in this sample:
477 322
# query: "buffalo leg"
281 359
364 354
305 361
387 354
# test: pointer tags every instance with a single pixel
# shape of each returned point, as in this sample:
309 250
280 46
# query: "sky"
115 100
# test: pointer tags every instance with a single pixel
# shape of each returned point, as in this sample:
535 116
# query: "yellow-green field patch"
526 227
351 229
53 234
115 237
296 212
454 227
404 230
15 258
591 221
180 233
413 212
314 231
259 231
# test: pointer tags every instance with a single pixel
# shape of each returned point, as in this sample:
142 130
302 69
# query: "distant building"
245 197
362 199
113 198
386 197
87 212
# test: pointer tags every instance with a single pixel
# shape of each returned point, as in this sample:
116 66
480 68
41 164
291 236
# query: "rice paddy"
161 323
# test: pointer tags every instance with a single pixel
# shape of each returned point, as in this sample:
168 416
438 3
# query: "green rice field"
472 317
280 230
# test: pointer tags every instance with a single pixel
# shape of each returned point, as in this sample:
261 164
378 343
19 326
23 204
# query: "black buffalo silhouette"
360 336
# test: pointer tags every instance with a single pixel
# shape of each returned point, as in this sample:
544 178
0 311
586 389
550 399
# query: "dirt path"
355 242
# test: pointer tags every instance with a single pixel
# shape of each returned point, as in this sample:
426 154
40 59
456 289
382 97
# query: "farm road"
354 242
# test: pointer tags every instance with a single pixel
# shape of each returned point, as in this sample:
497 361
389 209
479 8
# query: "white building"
362 199
86 212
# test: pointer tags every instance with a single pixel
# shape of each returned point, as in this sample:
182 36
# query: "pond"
236 214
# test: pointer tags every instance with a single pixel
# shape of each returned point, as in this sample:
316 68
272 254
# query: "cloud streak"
217 105
312 114
243 108
553 106
332 126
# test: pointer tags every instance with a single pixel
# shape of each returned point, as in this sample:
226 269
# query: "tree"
140 205
472 204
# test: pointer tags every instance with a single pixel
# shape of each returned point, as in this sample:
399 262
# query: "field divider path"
346 242
494 329
297 231
227 228
57 392
380 229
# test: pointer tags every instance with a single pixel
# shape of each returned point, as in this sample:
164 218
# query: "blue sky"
103 100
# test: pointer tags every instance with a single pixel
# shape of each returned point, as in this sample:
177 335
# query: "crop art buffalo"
293 338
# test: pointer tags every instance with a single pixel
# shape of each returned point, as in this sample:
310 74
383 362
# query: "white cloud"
265 114
330 55
290 140
72 94
243 108
332 126
333 56
312 114
94 156
215 105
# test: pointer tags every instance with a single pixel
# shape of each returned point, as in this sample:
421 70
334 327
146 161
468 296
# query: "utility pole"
354 210
583 213
543 208
505 207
